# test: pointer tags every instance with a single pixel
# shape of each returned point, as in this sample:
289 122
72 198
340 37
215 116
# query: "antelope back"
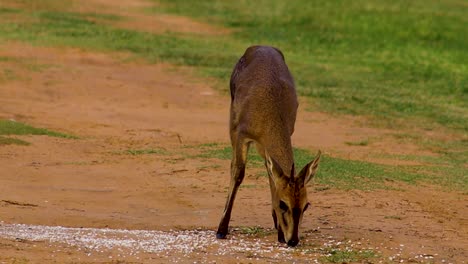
264 102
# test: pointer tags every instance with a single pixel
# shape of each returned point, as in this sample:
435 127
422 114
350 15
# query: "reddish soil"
114 105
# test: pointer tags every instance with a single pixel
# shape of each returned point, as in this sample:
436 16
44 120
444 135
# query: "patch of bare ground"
116 106
346 137
95 91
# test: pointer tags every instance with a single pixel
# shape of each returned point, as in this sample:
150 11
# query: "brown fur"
263 111
264 102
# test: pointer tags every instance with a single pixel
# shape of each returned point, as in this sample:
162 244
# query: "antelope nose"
293 242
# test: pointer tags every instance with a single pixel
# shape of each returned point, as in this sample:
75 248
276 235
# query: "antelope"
263 111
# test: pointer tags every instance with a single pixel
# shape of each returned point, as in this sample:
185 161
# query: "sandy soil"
114 105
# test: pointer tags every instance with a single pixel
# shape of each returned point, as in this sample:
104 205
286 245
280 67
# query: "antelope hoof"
220 235
281 240
293 242
281 237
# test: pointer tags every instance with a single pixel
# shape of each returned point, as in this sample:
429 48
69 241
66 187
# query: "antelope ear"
309 170
274 169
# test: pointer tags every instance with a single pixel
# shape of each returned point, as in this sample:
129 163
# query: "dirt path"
116 106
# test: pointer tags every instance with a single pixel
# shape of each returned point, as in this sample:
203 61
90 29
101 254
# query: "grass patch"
80 30
364 142
136 152
12 141
433 160
8 75
387 60
208 167
55 5
348 256
255 231
395 217
449 168
8 127
4 58
217 151
349 174
7 10
101 17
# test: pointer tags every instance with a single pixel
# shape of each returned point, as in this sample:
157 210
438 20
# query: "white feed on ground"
131 242
198 243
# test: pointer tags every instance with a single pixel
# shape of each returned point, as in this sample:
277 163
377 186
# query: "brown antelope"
263 111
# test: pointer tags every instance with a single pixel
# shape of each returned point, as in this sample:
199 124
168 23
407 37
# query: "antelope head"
289 198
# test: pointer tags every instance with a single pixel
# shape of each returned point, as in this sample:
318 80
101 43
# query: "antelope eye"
306 206
283 206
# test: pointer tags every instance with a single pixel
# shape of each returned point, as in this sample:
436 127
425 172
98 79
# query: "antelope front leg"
237 175
280 232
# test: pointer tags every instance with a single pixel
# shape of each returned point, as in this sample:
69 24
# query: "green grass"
255 231
145 151
385 59
38 5
449 172
218 151
7 10
12 141
101 17
396 217
364 142
348 174
447 168
76 30
8 127
348 256
7 73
